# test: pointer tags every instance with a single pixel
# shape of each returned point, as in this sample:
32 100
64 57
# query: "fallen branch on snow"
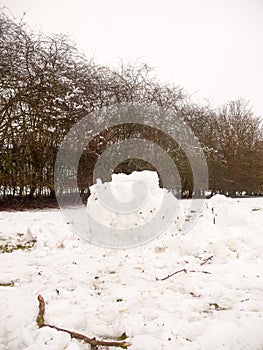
92 341
166 278
206 260
182 270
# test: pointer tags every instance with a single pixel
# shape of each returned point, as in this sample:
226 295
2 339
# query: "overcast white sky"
212 48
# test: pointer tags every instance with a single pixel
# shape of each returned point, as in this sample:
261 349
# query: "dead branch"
206 272
41 311
92 341
165 278
182 270
206 260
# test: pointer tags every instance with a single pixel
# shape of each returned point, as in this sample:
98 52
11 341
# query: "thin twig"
182 270
92 341
206 260
206 272
165 278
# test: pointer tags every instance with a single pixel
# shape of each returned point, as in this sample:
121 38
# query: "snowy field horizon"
198 290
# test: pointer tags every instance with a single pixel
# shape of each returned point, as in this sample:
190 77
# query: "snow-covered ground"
217 304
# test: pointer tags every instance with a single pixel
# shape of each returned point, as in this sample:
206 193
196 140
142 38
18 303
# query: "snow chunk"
123 191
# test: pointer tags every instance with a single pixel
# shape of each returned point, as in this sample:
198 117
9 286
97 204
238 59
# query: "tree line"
47 85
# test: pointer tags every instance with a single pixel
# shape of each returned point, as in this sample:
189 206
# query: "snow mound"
227 228
227 214
123 189
131 208
219 199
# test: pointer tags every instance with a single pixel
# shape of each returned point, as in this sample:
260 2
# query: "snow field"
105 293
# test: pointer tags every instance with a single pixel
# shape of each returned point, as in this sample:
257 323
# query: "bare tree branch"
92 341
